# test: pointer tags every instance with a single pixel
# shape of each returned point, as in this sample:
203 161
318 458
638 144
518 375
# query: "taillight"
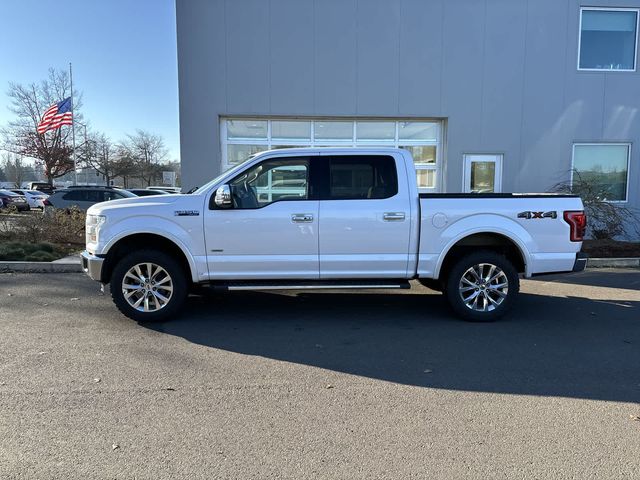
46 203
577 220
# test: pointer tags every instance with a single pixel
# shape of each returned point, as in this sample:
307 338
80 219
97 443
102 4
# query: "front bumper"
581 262
92 265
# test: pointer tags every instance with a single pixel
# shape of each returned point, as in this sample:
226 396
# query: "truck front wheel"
148 286
482 286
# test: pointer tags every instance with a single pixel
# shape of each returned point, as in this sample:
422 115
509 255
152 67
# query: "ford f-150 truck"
317 218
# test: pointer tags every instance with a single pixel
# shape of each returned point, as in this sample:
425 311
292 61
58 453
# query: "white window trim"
609 9
353 142
628 145
466 176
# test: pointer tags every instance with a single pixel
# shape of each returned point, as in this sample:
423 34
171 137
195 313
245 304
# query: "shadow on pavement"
549 345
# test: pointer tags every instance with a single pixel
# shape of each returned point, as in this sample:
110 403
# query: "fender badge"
530 215
186 213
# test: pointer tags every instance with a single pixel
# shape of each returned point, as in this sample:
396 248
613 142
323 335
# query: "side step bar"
313 285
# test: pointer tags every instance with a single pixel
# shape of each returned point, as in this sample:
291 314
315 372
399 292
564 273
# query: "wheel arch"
513 249
145 241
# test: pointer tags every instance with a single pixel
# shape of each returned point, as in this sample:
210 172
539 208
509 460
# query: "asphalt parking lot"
321 385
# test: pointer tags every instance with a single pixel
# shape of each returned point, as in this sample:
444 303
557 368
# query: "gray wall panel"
248 54
292 79
502 73
334 55
420 58
378 36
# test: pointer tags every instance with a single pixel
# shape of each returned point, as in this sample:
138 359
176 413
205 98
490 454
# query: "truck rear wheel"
482 286
148 286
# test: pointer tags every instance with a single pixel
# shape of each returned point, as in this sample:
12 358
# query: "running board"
314 285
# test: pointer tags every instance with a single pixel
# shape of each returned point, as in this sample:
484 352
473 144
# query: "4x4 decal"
534 215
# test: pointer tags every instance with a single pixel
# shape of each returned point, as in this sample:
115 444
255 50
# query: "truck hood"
155 204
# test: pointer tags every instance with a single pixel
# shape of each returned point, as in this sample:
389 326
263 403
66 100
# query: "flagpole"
73 127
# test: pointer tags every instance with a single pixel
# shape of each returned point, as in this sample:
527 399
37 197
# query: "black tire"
178 279
487 294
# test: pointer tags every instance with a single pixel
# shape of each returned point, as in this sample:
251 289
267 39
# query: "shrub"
54 227
605 220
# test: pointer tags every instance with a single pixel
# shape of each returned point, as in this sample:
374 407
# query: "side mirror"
223 197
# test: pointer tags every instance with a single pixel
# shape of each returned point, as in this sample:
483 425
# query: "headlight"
93 227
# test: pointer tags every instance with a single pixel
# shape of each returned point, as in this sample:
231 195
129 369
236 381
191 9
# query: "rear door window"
361 177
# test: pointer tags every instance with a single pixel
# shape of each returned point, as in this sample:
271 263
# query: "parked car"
239 232
44 187
84 197
10 199
165 189
34 198
143 192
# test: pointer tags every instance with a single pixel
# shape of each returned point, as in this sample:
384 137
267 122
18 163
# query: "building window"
483 173
602 169
608 39
243 137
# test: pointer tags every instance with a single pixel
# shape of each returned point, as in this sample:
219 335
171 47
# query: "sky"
123 55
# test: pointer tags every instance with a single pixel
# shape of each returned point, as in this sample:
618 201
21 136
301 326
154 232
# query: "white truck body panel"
405 236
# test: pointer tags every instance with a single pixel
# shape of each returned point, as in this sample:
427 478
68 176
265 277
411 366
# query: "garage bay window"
243 137
601 169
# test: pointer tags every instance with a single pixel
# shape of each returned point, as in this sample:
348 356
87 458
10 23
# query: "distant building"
488 95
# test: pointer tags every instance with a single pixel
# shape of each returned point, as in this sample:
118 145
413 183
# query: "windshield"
7 193
208 185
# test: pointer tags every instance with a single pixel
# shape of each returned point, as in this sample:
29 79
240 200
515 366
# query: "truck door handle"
393 216
301 218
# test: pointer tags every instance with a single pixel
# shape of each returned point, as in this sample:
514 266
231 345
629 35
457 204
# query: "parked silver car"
84 196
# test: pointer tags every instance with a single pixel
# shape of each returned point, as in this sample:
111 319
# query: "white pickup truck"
318 218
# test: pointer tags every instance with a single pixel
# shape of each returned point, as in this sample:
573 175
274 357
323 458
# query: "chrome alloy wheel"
483 287
147 287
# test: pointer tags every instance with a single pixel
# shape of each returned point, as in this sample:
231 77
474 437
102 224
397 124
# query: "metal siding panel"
335 57
461 83
248 53
377 57
291 62
502 83
202 92
545 153
420 58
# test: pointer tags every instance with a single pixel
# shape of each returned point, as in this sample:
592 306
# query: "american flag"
56 115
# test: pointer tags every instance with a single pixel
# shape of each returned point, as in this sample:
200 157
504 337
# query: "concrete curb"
613 263
40 267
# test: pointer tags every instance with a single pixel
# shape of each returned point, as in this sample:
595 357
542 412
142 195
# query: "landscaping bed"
39 236
611 249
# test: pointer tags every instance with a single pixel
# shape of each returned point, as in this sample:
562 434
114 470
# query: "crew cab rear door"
365 217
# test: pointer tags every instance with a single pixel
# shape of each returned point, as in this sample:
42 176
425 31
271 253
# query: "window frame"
609 9
600 144
269 142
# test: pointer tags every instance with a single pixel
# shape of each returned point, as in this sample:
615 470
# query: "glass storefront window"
331 130
290 130
246 129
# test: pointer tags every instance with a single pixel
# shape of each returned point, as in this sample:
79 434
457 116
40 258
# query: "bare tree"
52 150
14 168
147 151
606 220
